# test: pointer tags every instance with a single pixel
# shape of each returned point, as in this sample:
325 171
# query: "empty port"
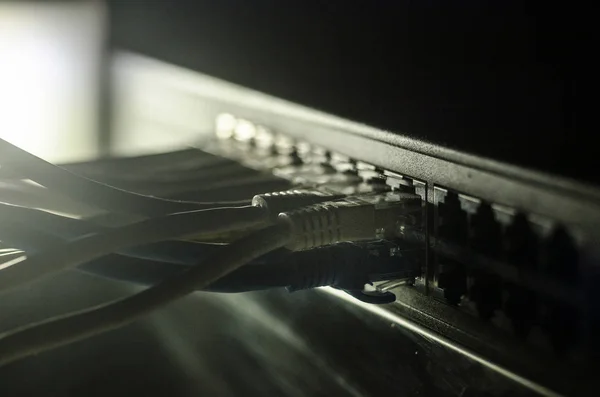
521 251
399 182
486 238
452 227
562 258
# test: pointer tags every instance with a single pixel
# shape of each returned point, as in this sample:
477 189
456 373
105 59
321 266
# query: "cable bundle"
148 249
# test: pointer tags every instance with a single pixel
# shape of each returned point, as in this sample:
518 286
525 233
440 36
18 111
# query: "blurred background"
492 79
51 60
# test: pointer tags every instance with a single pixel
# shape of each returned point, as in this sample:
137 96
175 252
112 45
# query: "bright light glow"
264 137
12 262
244 130
225 125
49 58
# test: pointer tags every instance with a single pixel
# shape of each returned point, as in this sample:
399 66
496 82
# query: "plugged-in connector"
277 202
351 219
270 205
349 267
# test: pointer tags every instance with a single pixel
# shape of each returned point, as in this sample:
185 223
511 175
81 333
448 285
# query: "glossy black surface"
253 344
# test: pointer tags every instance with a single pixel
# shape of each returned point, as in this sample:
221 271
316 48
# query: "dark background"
495 79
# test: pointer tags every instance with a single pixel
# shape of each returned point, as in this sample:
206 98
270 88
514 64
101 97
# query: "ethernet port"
486 239
452 226
562 259
521 245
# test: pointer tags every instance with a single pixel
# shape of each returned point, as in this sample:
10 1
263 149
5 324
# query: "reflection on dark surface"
253 344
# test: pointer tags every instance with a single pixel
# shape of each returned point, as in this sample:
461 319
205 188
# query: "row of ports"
518 242
466 222
268 142
495 232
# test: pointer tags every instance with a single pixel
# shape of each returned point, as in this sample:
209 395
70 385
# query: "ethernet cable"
57 331
89 191
345 266
31 231
49 222
34 230
150 163
83 249
9 253
185 253
29 194
201 223
309 227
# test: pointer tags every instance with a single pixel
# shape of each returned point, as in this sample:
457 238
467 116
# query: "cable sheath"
68 328
87 190
86 248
